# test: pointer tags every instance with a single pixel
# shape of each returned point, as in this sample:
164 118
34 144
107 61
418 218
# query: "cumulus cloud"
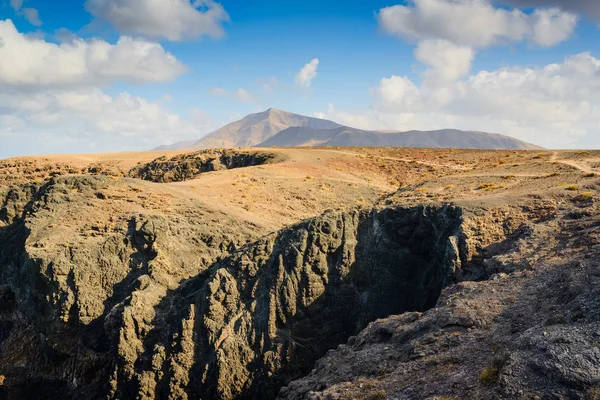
446 61
588 8
37 63
93 120
241 95
475 23
175 20
50 97
557 105
307 73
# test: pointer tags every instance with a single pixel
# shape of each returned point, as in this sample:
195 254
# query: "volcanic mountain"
283 129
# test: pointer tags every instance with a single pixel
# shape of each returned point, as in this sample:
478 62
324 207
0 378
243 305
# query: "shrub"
490 186
585 196
489 376
380 395
573 188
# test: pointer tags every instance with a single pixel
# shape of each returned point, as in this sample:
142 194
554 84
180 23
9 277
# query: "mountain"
345 136
283 129
252 130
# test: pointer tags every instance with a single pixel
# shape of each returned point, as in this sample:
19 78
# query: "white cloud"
446 61
174 20
32 16
37 63
557 105
50 100
241 95
475 23
89 115
552 26
307 73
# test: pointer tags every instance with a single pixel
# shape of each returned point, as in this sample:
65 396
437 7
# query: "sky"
121 75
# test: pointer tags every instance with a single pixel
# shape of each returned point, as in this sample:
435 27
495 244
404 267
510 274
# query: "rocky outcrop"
82 271
530 332
262 317
190 165
269 312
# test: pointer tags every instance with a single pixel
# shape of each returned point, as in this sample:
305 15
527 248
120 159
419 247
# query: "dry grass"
489 376
585 196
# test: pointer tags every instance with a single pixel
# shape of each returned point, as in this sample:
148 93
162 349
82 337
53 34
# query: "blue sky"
376 69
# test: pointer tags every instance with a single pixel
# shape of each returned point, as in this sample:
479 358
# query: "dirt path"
571 163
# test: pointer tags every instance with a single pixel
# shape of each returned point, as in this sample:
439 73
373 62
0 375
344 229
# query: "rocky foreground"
477 279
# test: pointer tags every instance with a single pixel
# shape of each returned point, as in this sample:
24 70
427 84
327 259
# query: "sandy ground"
312 180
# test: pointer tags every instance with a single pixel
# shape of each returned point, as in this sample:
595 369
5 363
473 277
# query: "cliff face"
267 313
264 315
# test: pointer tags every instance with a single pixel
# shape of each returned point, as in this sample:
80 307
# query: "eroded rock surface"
190 165
530 332
83 269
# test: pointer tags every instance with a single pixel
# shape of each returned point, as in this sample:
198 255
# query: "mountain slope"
345 136
252 130
283 129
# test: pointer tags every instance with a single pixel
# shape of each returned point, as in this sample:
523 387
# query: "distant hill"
345 136
252 130
283 129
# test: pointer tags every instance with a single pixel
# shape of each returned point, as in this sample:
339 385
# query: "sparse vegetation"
490 186
489 376
380 395
585 196
573 188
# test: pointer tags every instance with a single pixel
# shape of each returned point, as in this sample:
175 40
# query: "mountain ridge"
275 127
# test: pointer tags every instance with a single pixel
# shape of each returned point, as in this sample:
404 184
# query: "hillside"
344 136
252 130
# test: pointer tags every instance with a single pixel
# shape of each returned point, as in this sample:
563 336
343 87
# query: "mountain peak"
274 127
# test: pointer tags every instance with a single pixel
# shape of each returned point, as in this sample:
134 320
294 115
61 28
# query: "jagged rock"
190 165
